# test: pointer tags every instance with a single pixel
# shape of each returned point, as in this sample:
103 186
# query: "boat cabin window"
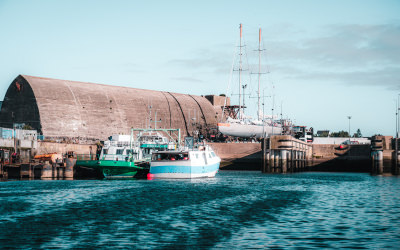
213 154
105 151
120 151
170 157
122 143
130 151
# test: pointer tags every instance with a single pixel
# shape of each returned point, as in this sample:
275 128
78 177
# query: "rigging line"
201 110
229 83
169 108
183 114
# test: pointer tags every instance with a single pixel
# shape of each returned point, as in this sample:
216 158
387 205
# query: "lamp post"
397 116
349 128
396 148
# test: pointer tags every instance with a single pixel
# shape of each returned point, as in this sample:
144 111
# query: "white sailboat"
248 128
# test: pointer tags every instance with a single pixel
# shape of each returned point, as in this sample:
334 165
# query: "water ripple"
233 210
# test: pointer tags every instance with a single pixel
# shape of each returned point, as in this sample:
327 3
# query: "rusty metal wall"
61 108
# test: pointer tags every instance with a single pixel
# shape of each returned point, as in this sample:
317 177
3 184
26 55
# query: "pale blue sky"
327 59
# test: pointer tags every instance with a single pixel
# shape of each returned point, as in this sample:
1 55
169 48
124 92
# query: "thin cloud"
186 79
363 55
351 54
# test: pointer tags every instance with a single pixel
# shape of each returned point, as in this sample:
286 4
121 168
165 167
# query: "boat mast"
240 71
259 72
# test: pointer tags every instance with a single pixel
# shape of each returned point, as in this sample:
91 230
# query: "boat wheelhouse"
199 162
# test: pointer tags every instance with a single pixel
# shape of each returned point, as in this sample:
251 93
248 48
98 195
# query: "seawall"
239 156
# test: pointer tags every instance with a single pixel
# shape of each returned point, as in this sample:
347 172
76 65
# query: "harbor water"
234 210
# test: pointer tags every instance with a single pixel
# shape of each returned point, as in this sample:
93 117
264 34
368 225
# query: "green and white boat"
123 156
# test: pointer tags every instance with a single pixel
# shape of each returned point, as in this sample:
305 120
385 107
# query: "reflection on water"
233 210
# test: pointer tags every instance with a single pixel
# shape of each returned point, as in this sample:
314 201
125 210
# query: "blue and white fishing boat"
200 162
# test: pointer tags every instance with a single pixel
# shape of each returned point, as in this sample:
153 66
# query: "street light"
397 122
349 129
396 146
397 116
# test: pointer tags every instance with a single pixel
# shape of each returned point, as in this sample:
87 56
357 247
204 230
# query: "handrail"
111 157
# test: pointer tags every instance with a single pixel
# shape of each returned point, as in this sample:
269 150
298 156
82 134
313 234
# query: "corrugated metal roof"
81 109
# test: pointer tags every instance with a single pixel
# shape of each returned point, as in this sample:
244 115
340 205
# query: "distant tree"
324 134
222 95
358 134
340 134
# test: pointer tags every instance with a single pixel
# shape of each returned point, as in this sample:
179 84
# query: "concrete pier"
286 153
383 155
35 170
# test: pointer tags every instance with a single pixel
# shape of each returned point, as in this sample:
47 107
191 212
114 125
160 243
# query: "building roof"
61 108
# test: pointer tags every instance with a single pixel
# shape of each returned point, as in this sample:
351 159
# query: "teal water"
234 210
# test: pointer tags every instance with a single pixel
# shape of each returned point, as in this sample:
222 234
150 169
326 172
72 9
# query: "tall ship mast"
240 72
259 78
247 128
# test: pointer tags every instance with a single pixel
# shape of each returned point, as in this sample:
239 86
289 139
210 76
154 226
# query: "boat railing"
107 157
86 157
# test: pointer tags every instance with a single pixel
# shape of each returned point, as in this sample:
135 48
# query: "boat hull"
183 171
248 130
113 169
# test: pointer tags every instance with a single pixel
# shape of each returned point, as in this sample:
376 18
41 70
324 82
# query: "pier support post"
377 162
300 161
267 162
380 161
69 168
294 160
47 171
284 161
397 166
271 160
277 161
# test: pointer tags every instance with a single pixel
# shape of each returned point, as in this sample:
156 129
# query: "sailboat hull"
248 130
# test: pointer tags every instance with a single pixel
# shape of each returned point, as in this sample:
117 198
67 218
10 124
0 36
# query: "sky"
323 60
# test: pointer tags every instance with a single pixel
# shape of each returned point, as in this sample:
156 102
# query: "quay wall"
239 156
325 157
336 157
62 148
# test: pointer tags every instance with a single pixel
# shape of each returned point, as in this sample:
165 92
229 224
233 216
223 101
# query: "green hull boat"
116 169
125 156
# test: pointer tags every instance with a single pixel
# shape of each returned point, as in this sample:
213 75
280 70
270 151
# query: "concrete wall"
339 140
243 156
62 148
324 150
